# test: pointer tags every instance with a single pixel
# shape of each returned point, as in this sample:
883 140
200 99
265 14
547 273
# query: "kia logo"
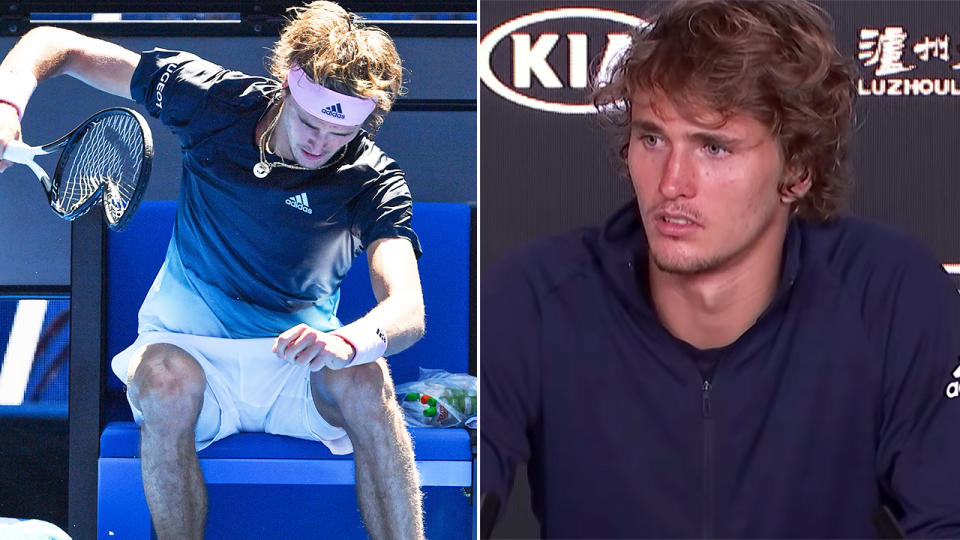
531 58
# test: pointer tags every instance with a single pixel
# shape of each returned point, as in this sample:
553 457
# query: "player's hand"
305 345
9 130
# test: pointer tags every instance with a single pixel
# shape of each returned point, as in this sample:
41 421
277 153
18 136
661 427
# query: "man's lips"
675 223
679 216
310 155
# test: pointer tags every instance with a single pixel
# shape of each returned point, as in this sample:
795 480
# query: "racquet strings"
109 153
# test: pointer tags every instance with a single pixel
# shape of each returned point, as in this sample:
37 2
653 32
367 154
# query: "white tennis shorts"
248 389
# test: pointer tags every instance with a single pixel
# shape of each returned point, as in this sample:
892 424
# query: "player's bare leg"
167 384
361 400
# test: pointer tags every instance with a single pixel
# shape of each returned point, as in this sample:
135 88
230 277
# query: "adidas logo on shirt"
953 389
300 203
334 110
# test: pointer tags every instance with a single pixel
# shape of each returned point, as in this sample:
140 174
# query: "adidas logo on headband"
334 111
346 111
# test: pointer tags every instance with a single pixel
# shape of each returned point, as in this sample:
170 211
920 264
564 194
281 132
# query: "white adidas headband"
326 104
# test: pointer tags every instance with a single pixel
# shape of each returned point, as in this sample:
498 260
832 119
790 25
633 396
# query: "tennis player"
282 187
727 356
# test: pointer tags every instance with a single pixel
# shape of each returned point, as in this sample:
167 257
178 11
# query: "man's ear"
795 186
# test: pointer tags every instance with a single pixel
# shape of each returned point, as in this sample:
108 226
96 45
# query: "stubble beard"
689 267
683 266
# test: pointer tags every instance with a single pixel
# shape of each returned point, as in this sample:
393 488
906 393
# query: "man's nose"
318 142
676 178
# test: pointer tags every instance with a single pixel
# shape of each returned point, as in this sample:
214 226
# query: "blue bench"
268 486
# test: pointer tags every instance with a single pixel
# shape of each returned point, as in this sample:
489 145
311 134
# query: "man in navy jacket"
726 356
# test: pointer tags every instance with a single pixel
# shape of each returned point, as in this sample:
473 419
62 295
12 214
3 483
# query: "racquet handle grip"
21 152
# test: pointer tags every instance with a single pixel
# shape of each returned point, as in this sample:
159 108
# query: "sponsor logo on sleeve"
163 84
953 389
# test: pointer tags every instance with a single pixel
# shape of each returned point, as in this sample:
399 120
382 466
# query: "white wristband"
369 342
16 87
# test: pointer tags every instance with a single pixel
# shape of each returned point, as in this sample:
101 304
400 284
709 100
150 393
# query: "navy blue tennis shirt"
835 401
253 257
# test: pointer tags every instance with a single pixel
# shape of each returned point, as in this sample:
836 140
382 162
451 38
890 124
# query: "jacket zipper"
708 474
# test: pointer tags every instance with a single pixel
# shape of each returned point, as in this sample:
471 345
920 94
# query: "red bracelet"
15 107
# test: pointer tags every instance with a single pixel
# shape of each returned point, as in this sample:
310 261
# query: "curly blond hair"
338 51
776 61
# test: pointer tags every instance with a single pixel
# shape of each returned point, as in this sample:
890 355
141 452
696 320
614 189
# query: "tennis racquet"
106 159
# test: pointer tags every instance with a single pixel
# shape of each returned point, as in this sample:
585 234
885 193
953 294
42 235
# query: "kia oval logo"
531 57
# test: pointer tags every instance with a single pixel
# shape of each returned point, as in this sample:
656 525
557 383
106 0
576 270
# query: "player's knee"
362 392
167 381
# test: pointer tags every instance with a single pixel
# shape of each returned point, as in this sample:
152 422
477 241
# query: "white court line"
952 269
17 362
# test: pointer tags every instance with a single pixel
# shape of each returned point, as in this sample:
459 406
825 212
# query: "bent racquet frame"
120 192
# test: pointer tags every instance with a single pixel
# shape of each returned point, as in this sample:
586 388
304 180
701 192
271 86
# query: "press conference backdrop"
545 168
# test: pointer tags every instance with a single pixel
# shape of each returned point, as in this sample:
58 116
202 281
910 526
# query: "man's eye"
715 149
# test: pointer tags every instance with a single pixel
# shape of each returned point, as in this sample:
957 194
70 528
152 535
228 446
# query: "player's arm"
396 284
397 320
511 331
915 314
46 52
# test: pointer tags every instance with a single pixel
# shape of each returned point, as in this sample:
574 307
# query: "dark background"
544 172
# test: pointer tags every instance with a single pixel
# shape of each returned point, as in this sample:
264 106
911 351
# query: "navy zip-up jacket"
840 398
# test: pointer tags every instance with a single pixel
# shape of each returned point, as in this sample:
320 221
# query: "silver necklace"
263 167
